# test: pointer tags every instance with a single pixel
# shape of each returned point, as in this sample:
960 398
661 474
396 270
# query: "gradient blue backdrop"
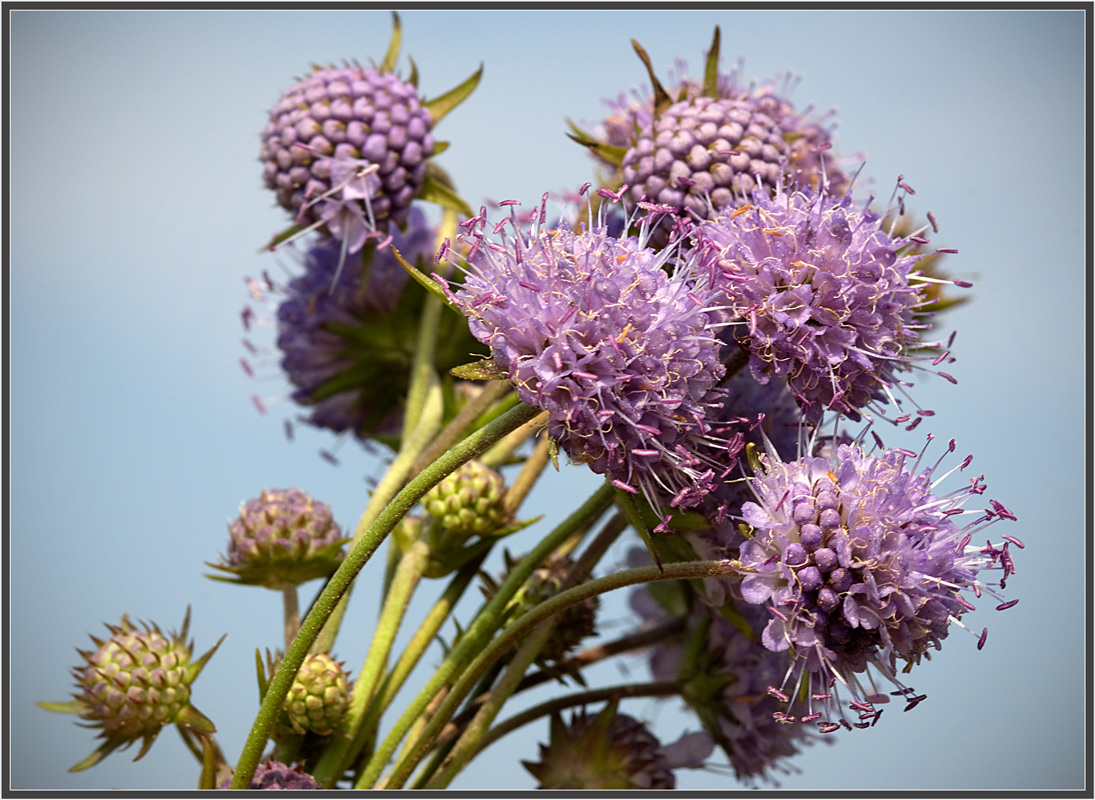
138 207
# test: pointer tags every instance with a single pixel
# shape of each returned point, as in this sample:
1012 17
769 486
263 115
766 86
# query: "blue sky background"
137 208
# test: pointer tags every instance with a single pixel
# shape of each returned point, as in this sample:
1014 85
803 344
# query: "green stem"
292 612
355 559
468 744
520 627
335 758
607 693
393 480
460 424
480 631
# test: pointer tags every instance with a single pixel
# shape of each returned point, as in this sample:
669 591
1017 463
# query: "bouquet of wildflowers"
718 320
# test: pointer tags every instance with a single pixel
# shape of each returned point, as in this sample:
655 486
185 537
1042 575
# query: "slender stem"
468 744
607 693
335 756
501 452
393 480
479 632
534 466
521 626
625 644
355 559
292 612
461 422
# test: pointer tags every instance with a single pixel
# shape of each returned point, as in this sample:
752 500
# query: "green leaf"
288 233
208 777
260 671
439 106
71 707
662 100
483 370
613 154
429 284
413 79
439 148
631 511
434 190
711 69
388 64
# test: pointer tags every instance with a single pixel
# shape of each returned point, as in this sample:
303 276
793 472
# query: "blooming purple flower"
860 563
594 330
818 292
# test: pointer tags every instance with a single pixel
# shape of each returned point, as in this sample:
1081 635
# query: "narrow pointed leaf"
627 503
260 671
662 100
392 56
427 283
443 104
711 69
435 191
439 147
288 233
614 154
413 79
208 777
71 707
482 370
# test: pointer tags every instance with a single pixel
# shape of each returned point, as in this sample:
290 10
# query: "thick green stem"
336 755
520 627
355 559
479 633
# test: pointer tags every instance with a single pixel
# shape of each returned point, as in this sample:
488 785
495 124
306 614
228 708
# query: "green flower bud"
469 502
135 683
318 698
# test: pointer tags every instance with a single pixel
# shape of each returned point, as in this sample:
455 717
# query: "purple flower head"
273 775
726 677
593 329
346 331
818 292
347 148
860 563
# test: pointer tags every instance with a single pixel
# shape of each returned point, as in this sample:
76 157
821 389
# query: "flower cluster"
860 564
618 351
820 293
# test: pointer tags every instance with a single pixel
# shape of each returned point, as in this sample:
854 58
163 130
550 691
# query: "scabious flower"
725 674
702 146
347 332
860 563
134 684
348 147
610 750
594 330
282 538
817 291
274 775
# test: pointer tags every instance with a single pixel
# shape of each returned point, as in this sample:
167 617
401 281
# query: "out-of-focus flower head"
611 750
274 775
596 331
134 684
348 331
282 538
818 291
860 563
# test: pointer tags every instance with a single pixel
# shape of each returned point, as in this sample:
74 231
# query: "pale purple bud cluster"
329 129
275 775
594 330
860 563
704 152
819 293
